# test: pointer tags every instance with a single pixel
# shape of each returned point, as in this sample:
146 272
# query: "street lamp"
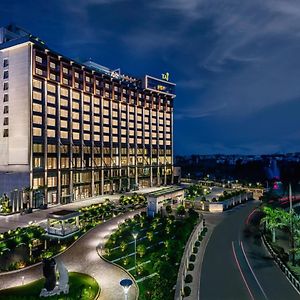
135 236
126 283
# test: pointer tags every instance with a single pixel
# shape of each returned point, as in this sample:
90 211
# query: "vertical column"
58 145
31 67
102 147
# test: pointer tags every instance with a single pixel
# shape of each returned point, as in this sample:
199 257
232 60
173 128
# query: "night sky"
236 63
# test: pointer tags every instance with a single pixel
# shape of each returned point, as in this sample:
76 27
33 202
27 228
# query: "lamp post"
126 283
135 236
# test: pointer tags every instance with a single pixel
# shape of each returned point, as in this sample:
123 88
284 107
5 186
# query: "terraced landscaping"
160 245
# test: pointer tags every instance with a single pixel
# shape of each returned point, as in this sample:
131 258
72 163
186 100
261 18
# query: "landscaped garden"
82 287
282 231
159 246
25 246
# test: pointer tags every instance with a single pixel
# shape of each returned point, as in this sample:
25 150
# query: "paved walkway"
83 257
40 216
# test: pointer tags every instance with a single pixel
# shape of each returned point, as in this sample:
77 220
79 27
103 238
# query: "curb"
120 267
288 274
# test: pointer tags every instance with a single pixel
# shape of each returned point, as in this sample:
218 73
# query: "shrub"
188 278
193 257
195 250
191 267
200 238
197 243
187 291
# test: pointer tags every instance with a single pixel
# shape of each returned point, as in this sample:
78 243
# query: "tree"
181 210
275 218
141 250
123 246
150 235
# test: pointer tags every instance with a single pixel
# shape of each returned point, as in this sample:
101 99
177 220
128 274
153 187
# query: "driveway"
83 257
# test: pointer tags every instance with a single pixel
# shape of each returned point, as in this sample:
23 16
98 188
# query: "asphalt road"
237 266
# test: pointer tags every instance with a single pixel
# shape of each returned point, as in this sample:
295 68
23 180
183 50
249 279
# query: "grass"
169 252
82 286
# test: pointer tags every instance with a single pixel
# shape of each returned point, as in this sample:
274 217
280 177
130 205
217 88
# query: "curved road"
83 257
237 266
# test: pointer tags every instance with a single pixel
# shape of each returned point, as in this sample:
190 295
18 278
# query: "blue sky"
235 62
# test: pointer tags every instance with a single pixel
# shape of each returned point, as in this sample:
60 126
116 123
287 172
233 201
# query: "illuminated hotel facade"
78 130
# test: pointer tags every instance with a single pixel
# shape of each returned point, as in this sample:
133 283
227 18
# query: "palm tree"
275 218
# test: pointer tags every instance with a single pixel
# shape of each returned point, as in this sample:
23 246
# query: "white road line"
239 267
243 250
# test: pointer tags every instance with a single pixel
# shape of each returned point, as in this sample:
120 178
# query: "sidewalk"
83 257
39 216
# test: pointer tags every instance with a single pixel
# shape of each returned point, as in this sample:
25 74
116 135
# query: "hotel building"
74 130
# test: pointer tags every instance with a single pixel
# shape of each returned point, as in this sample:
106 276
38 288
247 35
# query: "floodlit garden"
282 231
25 246
82 287
159 245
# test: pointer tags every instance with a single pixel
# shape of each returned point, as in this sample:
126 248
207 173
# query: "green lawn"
82 287
164 254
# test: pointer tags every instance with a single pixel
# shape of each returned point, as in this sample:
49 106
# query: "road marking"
239 267
243 250
250 215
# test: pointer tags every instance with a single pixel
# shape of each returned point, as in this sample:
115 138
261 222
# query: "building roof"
165 191
13 35
64 214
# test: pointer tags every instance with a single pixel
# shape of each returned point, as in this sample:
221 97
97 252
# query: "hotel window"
65 163
37 95
86 107
51 110
52 181
5 109
75 125
64 113
39 71
75 105
65 70
96 110
5 63
96 119
5 86
86 117
64 134
51 148
37 120
51 99
5 132
86 127
87 98
37 148
75 135
76 75
64 102
75 115
88 79
76 95
37 83
5 98
52 76
5 75
51 133
52 65
87 137
5 121
39 59
96 128
51 122
37 162
37 131
51 88
63 124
